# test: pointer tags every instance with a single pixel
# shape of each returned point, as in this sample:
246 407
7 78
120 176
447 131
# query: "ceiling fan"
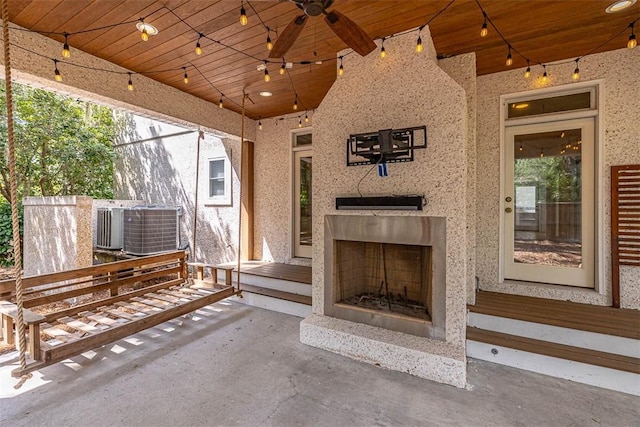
348 31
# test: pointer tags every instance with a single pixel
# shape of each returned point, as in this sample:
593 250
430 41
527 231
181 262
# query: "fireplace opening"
385 278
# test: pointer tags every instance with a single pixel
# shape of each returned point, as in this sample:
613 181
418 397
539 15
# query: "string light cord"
293 87
367 174
89 30
420 28
222 95
258 15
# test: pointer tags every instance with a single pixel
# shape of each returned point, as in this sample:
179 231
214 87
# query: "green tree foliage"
63 145
557 177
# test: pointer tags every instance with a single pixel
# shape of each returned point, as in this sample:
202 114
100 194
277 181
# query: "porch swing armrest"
9 309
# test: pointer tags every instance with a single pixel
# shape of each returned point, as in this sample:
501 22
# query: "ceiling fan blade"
288 37
350 33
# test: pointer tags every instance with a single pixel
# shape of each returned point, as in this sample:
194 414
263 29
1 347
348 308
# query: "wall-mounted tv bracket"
386 145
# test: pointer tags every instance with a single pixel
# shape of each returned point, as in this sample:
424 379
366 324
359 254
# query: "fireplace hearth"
387 271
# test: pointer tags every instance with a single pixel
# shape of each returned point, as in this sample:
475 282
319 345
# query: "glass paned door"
549 203
303 198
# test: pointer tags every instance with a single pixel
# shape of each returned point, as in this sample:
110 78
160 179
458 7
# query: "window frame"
225 198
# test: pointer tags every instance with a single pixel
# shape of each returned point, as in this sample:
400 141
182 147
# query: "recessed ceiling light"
265 93
619 5
151 30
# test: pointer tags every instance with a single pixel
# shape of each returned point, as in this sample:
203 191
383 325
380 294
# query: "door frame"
292 188
598 113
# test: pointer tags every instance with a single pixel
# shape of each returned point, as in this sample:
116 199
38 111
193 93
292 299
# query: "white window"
219 181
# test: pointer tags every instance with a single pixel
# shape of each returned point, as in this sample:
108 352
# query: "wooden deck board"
275 270
287 296
592 318
591 357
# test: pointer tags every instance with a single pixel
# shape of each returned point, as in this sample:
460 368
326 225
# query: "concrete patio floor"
238 365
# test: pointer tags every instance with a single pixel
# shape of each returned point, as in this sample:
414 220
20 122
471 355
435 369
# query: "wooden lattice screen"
625 222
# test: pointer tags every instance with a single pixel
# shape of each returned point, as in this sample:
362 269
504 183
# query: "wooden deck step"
287 296
566 314
576 354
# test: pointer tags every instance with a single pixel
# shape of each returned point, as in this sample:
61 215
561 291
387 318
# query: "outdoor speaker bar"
403 203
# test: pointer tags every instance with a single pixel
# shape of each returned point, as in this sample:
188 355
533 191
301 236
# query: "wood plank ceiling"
542 30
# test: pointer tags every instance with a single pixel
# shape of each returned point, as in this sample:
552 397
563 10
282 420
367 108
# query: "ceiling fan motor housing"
314 7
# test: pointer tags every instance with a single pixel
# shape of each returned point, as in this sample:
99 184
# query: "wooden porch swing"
133 295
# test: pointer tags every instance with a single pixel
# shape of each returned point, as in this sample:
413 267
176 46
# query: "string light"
484 30
340 68
144 35
130 83
527 72
300 123
295 103
56 73
267 77
243 15
198 47
632 38
383 52
186 77
576 72
269 44
520 148
545 76
306 118
419 47
66 53
509 60
260 124
220 102
541 153
283 68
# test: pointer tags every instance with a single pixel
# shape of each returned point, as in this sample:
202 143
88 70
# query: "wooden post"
34 341
7 330
114 290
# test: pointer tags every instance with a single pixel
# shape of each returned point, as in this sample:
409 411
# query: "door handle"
508 210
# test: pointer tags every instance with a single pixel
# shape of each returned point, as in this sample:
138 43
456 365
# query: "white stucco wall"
462 69
156 162
621 104
273 188
57 234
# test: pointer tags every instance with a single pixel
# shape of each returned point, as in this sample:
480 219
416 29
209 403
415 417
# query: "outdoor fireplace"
387 271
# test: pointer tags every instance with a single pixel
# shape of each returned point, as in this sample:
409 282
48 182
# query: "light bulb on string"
295 103
545 76
521 148
198 47
541 153
269 43
267 77
56 73
220 104
306 118
632 39
130 83
484 30
186 77
419 47
576 72
283 68
300 123
243 15
144 35
527 72
260 124
340 68
383 52
509 60
66 53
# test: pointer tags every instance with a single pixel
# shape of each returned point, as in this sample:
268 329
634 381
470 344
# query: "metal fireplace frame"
403 230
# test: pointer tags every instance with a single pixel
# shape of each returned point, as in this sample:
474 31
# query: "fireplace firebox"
387 271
